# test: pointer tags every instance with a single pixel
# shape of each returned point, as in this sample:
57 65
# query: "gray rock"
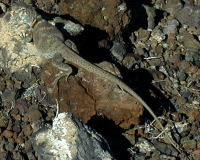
8 95
17 156
118 51
165 148
68 139
189 41
30 156
151 14
181 76
5 156
171 27
172 6
10 146
72 28
189 15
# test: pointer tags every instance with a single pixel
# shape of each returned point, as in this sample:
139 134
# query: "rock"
189 15
34 115
184 65
139 157
157 76
194 114
16 55
4 156
129 61
191 56
10 146
165 148
188 144
142 35
158 35
85 95
2 84
163 156
171 27
181 76
17 156
28 146
172 6
27 130
189 41
108 15
144 145
19 140
3 121
151 15
197 153
118 51
7 133
72 28
8 95
30 156
69 139
186 94
182 128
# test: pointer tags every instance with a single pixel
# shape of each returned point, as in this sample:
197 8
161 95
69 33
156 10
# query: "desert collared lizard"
49 42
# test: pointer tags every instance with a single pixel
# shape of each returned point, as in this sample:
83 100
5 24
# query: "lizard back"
47 38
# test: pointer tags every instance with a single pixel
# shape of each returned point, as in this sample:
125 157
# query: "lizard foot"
25 37
65 68
55 82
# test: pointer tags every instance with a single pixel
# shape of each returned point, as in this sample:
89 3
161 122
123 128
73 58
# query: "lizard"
49 41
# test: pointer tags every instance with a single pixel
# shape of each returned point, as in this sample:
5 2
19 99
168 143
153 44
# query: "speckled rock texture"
159 59
107 15
69 139
86 95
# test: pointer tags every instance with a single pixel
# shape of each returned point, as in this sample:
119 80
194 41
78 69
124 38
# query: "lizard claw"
25 36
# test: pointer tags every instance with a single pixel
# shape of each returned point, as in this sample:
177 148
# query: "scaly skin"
50 42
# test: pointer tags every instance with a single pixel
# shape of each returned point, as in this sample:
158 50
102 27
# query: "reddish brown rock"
86 95
110 15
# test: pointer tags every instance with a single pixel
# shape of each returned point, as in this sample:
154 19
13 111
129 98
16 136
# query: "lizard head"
25 12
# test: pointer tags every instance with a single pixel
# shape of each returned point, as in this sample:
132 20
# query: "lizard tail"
78 61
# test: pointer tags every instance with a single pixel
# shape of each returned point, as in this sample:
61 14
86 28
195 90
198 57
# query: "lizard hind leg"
57 61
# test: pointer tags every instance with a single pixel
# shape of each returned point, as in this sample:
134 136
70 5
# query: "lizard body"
50 43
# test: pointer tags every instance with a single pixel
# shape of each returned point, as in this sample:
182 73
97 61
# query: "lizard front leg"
57 61
26 37
71 45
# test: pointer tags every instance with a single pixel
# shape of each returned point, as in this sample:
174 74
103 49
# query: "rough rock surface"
69 139
86 95
15 53
167 48
108 15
